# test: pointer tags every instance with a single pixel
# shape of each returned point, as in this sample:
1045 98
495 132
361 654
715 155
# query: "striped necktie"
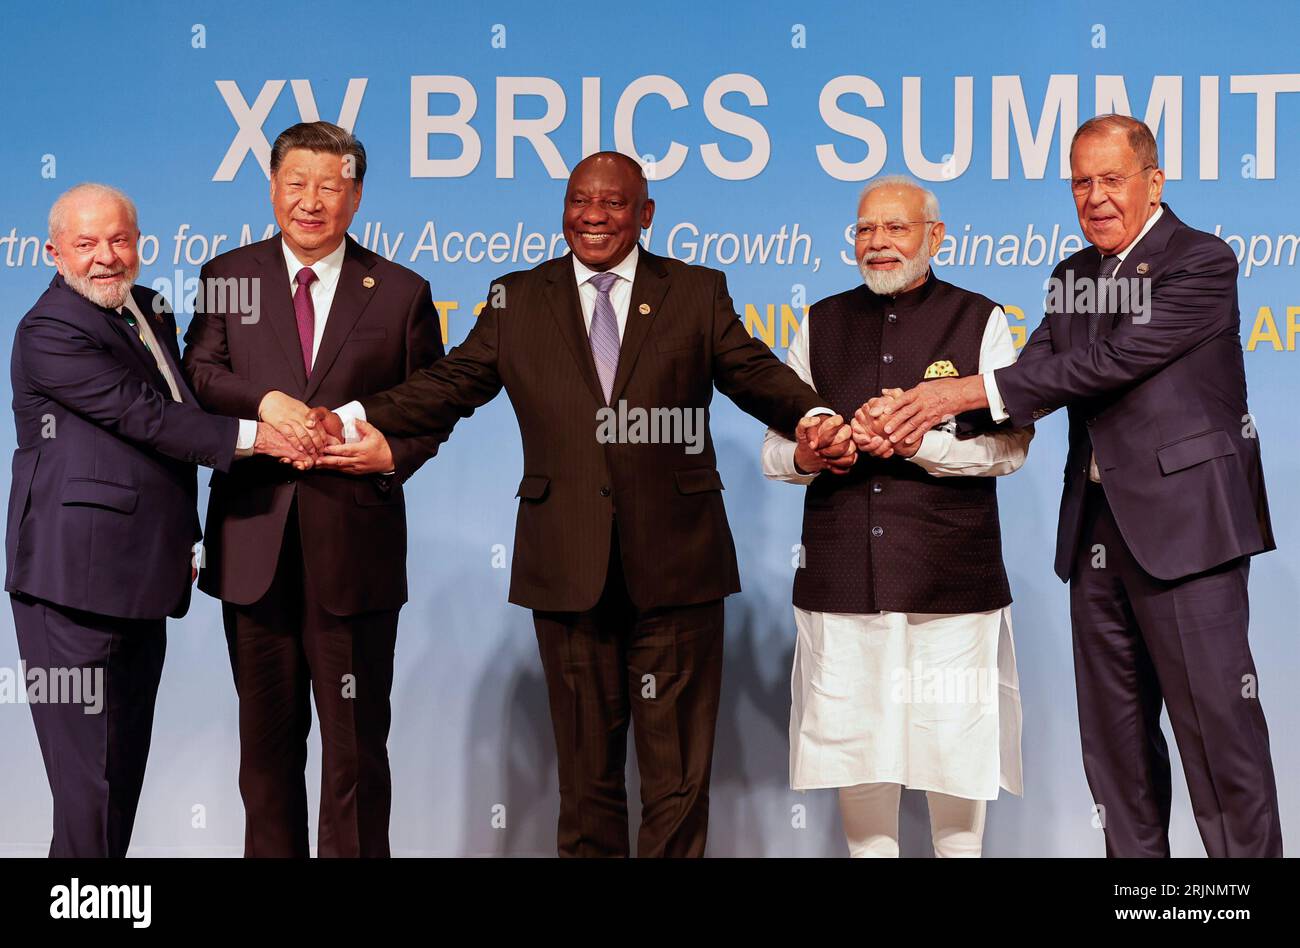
603 335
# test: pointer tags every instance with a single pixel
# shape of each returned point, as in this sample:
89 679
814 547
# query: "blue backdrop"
760 121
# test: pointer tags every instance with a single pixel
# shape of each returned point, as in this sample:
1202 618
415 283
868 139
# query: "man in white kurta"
926 700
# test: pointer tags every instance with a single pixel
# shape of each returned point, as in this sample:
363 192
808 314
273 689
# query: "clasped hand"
824 443
314 438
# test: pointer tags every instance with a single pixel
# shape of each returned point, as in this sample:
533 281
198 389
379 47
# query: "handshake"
826 443
314 438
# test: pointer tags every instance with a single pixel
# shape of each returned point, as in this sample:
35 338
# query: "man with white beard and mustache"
102 512
904 668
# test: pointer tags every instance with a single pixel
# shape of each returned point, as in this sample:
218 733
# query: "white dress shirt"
941 452
247 427
998 408
620 294
322 289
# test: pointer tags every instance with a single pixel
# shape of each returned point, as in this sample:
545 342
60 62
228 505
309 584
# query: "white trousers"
870 815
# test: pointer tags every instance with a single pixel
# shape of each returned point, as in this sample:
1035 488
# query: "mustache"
105 272
884 258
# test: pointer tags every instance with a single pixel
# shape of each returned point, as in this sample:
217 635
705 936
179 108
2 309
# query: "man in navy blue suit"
102 512
1163 503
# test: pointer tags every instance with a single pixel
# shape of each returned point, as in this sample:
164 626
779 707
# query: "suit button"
887 358
1090 421
604 492
877 531
877 488
892 318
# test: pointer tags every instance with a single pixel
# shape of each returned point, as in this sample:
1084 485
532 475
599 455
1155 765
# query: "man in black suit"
622 548
1164 500
102 512
310 565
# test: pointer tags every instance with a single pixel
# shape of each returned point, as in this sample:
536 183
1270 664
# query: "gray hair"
1140 140
59 211
903 181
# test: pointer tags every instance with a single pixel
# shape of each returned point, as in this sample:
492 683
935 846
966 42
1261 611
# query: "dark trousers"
94 761
1140 643
659 670
283 649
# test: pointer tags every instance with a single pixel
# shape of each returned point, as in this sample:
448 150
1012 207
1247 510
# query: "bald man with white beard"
102 514
904 668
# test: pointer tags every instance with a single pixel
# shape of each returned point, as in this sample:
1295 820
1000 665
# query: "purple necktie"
604 332
305 313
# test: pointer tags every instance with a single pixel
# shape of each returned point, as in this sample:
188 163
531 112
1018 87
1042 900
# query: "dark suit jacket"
672 529
1163 404
102 505
353 528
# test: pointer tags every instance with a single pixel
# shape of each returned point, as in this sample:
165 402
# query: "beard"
108 295
891 282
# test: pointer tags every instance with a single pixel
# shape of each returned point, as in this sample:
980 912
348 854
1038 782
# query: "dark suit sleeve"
423 349
69 366
207 363
435 397
1188 307
750 374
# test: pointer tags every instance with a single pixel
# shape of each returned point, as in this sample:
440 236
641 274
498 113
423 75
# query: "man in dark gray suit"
1163 505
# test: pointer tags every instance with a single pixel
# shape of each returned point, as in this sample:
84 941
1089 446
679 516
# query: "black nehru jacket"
887 536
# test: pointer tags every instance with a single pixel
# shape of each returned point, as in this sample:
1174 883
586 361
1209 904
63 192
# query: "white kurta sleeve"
942 453
778 450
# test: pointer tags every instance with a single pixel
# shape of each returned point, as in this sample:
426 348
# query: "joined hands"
314 438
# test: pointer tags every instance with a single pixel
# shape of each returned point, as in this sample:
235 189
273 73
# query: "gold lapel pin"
644 309
368 282
1143 267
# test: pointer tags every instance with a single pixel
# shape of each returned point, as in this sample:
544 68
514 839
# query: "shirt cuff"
247 438
996 407
934 445
820 411
349 414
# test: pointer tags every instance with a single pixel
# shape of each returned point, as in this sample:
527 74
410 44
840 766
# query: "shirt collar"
327 268
626 267
1151 222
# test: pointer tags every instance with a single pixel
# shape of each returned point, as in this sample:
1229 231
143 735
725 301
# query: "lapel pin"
644 309
1143 267
368 282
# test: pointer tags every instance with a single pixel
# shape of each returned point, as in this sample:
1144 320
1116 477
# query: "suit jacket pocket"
90 492
697 480
533 487
373 491
375 334
688 342
1194 449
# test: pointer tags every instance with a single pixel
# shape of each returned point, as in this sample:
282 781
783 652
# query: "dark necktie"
603 334
1109 263
305 313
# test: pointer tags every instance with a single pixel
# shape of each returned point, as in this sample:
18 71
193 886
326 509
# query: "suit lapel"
566 309
166 338
351 297
277 308
648 291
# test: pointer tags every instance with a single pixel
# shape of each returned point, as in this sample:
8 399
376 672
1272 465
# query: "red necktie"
305 313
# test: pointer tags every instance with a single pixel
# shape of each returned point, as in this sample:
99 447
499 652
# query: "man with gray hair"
102 510
1163 502
904 669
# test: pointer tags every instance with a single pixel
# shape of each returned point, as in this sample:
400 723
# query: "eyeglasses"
893 229
1109 183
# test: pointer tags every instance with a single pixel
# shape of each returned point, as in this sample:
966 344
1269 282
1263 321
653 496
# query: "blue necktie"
1109 264
604 332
